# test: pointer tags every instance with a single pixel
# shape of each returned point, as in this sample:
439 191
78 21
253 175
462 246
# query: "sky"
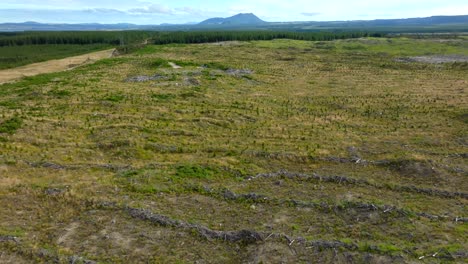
153 12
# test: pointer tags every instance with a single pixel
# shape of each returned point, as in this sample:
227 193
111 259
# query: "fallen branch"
9 239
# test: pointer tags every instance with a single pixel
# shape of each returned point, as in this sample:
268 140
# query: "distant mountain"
213 21
171 25
239 19
252 22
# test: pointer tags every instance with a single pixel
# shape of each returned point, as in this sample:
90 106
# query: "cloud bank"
182 11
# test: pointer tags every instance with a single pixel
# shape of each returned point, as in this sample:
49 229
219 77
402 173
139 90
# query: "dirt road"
9 75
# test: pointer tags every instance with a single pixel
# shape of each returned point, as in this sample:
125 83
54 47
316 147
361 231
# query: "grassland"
263 151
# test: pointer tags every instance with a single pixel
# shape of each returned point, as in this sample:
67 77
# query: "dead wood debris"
9 239
242 236
346 180
54 166
364 207
146 78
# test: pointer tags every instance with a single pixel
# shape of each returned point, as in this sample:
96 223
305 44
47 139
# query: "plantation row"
14 56
73 37
134 37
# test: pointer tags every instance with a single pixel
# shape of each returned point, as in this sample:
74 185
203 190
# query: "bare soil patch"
10 75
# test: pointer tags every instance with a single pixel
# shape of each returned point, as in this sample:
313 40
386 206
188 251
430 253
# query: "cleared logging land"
271 151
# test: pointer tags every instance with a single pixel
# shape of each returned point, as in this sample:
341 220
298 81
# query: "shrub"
11 125
194 171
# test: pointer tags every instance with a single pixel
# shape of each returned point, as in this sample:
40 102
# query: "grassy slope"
173 148
14 56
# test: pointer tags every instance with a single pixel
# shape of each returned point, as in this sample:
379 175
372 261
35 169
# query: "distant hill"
252 22
423 21
239 19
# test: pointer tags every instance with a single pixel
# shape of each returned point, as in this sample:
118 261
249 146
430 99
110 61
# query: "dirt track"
52 65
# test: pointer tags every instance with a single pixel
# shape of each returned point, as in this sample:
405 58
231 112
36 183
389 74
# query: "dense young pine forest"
133 37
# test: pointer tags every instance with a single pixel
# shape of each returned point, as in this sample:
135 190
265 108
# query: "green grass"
407 47
194 171
163 97
379 46
10 125
14 56
115 98
160 63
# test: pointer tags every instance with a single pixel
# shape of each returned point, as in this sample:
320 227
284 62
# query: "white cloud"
311 14
189 10
152 9
103 10
181 11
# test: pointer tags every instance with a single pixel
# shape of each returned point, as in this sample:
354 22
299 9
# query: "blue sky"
183 11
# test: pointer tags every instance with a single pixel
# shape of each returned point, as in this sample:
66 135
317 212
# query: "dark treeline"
445 35
125 38
74 37
211 36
